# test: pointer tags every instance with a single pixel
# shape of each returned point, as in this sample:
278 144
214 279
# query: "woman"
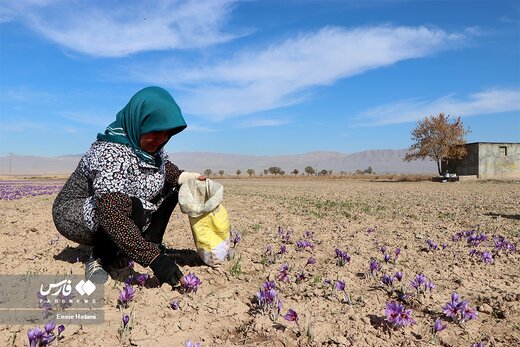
120 197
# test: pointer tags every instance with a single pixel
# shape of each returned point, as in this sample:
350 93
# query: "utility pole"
10 161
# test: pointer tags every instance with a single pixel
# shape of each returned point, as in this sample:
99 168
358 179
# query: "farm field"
460 236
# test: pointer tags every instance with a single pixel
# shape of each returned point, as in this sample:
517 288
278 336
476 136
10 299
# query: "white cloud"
281 74
114 30
199 128
487 102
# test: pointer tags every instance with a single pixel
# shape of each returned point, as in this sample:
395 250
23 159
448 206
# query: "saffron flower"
478 344
283 276
374 266
283 249
35 336
126 295
433 246
370 230
191 344
268 300
49 326
487 257
383 249
340 286
308 234
387 280
310 261
438 326
125 320
291 316
175 305
397 252
190 283
459 311
342 257
269 250
141 279
398 315
236 239
61 328
399 275
387 258
304 244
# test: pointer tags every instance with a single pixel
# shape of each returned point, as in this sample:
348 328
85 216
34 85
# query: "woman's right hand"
166 270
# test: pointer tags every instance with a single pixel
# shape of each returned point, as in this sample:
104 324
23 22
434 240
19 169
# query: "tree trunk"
439 167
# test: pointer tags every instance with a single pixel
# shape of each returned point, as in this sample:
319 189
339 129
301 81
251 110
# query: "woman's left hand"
201 178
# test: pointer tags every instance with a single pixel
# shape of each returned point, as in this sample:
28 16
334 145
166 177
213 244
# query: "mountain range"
381 161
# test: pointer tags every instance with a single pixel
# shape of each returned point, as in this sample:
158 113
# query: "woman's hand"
201 178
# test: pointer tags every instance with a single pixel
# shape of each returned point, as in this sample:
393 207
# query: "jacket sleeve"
115 211
172 174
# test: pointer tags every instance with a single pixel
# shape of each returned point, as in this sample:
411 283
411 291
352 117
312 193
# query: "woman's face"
151 142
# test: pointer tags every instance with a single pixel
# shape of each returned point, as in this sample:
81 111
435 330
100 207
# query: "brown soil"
223 312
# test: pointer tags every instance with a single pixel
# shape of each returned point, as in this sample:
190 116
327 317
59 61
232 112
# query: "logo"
64 288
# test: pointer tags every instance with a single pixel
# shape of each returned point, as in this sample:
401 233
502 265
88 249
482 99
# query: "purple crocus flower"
387 280
49 326
472 252
304 244
438 326
397 315
141 279
418 281
190 283
370 230
236 239
383 249
127 294
487 257
35 336
310 261
387 258
61 328
374 266
125 320
433 246
444 245
478 344
399 275
467 313
269 250
175 304
291 316
191 344
283 249
340 286
342 257
283 276
397 252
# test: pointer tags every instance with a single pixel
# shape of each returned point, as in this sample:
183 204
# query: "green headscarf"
150 109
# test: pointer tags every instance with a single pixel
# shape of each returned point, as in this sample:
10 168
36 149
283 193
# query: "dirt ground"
337 213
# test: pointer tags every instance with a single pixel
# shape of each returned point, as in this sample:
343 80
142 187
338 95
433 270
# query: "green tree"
369 170
208 172
275 170
250 172
438 138
295 172
238 172
266 171
324 172
309 170
221 173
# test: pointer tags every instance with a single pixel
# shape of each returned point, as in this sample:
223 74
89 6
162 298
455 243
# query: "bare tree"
437 138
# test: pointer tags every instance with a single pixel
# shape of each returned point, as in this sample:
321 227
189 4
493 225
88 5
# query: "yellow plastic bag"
209 220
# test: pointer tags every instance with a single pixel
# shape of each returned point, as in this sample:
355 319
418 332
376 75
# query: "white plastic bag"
209 221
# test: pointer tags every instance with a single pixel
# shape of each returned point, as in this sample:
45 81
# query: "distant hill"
381 161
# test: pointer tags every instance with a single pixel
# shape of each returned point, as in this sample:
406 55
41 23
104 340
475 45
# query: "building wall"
498 160
467 166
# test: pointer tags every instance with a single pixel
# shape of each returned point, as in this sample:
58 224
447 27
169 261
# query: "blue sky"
259 77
